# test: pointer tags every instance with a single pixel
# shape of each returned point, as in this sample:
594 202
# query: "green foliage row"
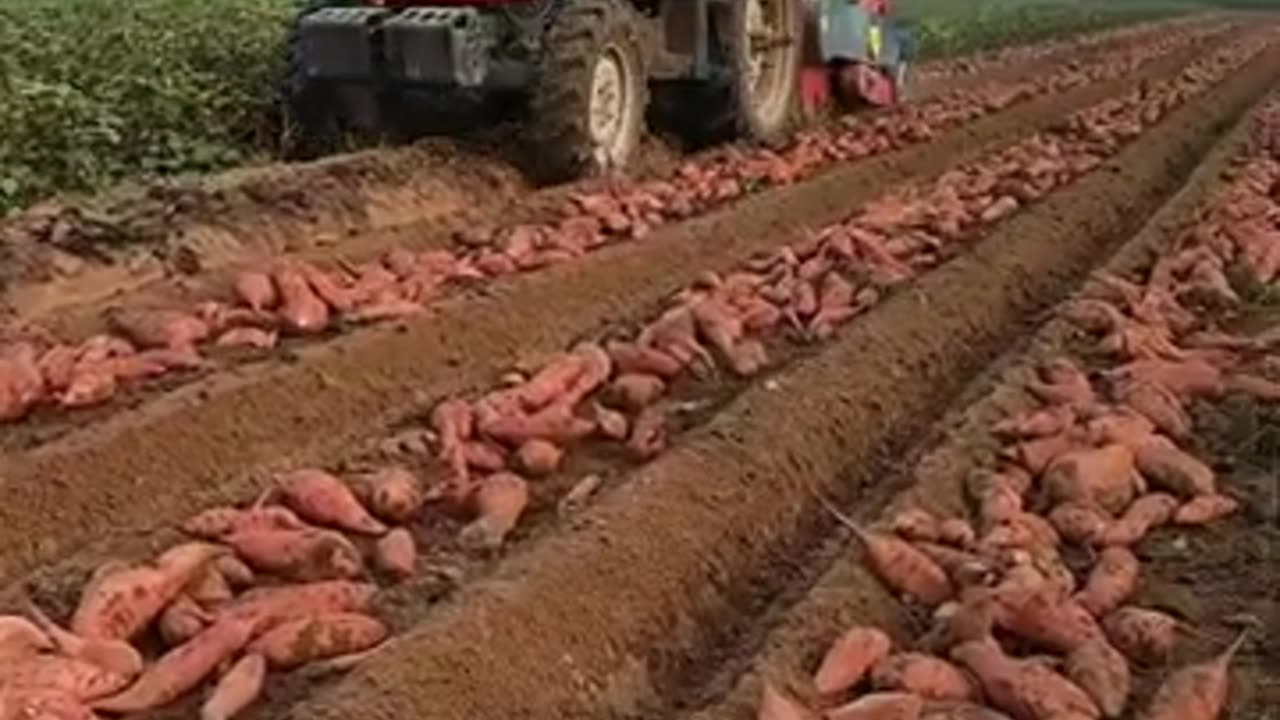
93 92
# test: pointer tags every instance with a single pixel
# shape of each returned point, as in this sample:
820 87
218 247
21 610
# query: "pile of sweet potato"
1094 463
293 297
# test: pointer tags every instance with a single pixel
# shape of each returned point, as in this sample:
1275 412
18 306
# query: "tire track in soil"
204 443
605 619
839 592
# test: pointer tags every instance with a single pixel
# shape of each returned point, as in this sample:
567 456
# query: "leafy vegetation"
93 92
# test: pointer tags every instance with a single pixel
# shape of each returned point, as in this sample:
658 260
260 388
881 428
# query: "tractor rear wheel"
758 45
588 100
312 115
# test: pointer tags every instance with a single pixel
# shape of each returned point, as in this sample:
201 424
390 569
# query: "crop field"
962 409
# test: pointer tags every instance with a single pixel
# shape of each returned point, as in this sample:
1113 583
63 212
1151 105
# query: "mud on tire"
583 35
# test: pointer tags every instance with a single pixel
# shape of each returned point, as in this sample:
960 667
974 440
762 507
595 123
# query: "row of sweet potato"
297 298
1091 463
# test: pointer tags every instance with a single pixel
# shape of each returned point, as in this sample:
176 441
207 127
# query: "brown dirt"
598 620
209 440
799 625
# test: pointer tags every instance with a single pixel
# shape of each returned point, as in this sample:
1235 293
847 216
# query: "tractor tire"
588 100
311 110
755 95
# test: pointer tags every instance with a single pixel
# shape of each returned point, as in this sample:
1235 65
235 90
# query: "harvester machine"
587 75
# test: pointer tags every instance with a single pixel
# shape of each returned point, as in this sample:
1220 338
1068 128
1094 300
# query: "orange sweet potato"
965 568
1021 530
1113 579
1041 423
631 358
234 571
1206 509
44 704
959 711
1102 672
149 328
397 553
610 423
116 656
916 524
1063 384
248 337
879 706
119 605
923 675
209 588
635 391
1105 477
1027 690
320 637
392 493
648 433
270 606
1196 692
849 659
1146 513
256 290
901 566
1038 454
498 502
1168 467
21 638
1079 523
957 532
539 457
1143 635
218 523
1040 616
299 554
182 620
486 456
1156 403
182 668
778 705
301 309
555 422
1259 387
1186 378
324 499
237 689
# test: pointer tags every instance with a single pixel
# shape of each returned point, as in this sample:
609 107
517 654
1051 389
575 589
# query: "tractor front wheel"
588 101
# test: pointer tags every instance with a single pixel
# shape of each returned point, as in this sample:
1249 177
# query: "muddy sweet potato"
397 553
218 523
1079 523
1157 404
305 555
630 358
916 524
78 679
635 391
1043 618
21 638
879 706
256 290
393 494
648 433
1102 672
116 656
957 532
237 689
43 703
538 457
1040 423
1113 580
1105 477
182 620
1168 467
1145 514
301 641
322 498
899 565
849 659
1146 636
301 309
498 503
21 386
923 675
610 423
270 606
1196 692
959 711
1024 689
148 328
248 337
120 604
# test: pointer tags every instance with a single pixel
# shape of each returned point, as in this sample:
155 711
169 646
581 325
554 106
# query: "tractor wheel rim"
610 105
758 35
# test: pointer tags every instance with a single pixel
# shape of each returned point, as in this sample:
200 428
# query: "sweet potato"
1143 635
555 422
116 656
539 457
1258 387
301 309
1041 617
397 553
233 569
305 555
635 391
1079 523
899 565
256 290
1196 692
270 606
1112 581
648 433
1027 690
1036 455
1187 378
182 620
596 366
965 568
610 423
923 675
76 678
42 703
1145 514
1122 426
1040 423
1206 509
322 498
849 658
21 638
498 502
1102 672
879 706
237 689
1167 466
90 385
959 711
248 337
916 524
218 523
1156 403
209 588
121 604
957 532
999 502
778 705
21 382
304 640
1021 530
1064 384
157 328
631 358
182 668
972 617
486 456
393 493
1105 477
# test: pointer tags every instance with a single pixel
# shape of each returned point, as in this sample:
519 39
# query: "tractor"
587 75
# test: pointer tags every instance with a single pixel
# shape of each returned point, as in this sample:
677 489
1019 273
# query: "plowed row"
797 351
